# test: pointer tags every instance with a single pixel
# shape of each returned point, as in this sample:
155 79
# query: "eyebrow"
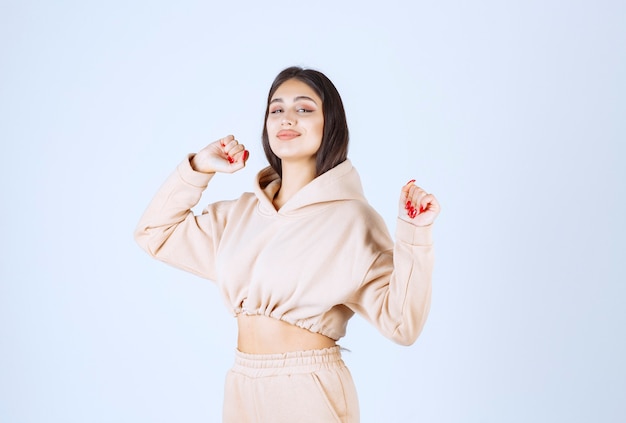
298 98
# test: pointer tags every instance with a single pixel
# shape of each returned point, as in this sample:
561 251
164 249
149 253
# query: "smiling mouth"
287 134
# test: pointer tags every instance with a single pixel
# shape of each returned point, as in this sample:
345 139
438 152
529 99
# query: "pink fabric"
304 386
323 256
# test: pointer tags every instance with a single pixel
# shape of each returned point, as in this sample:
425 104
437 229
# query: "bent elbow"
407 333
405 339
142 239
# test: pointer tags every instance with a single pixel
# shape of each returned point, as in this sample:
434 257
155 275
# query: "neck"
294 177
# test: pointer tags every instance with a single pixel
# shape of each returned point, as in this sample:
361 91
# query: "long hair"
334 147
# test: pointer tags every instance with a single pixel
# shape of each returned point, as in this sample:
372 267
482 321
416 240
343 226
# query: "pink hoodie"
323 256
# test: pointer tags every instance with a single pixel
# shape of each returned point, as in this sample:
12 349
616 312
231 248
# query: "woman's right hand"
225 155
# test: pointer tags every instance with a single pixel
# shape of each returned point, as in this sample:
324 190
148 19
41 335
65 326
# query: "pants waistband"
261 365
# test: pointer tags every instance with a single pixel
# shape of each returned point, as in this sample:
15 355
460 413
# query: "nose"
288 119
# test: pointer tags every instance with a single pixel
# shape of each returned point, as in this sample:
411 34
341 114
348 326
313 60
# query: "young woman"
296 258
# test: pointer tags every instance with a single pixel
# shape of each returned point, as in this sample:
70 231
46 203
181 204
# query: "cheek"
320 126
270 123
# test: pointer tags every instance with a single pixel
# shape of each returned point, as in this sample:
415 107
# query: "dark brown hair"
334 147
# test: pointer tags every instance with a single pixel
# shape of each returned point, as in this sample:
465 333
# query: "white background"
511 112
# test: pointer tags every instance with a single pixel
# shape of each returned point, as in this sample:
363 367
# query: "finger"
408 195
231 144
405 196
429 202
406 187
409 206
415 194
234 151
234 148
419 200
241 156
414 204
226 140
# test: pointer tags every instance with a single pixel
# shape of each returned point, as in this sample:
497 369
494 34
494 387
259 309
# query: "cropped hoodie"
324 255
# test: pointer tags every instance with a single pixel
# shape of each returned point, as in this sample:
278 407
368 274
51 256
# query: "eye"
305 107
276 111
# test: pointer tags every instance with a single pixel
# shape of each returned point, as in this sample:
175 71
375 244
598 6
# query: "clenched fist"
225 155
417 206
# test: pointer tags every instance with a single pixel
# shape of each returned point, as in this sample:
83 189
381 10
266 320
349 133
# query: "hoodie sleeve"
170 232
395 293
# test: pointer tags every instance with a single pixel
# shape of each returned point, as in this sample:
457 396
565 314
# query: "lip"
287 134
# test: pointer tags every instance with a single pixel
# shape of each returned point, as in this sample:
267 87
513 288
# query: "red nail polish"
231 160
412 213
422 209
407 205
246 153
410 182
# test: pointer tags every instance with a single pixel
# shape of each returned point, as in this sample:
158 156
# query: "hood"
338 184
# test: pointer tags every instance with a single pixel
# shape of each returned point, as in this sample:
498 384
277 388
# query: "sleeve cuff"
192 177
414 235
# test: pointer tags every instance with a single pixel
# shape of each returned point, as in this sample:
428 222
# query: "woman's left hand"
417 206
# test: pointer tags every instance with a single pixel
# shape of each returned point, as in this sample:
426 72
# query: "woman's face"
295 122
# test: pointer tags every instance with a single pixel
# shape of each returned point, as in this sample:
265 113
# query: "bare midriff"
265 335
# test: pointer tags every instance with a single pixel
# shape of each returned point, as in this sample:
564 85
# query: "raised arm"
168 229
395 293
